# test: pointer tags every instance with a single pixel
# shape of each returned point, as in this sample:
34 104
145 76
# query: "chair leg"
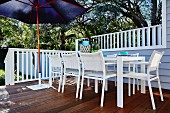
64 81
134 66
151 94
102 96
96 86
81 89
106 85
88 82
78 85
137 82
50 79
53 77
115 81
129 87
133 86
60 82
160 90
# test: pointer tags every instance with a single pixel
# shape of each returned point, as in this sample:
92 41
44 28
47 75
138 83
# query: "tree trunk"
153 12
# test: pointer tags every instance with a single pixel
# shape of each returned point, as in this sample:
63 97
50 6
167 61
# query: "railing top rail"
36 50
127 30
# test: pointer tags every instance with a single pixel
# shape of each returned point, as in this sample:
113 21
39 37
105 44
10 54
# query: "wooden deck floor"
18 98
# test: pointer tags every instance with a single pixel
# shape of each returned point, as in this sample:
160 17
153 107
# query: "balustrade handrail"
21 64
134 39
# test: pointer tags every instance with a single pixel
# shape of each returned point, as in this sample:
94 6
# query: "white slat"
129 40
31 59
114 40
143 37
121 38
153 36
35 65
43 64
27 65
138 38
134 41
148 36
117 40
111 41
125 40
18 66
159 36
23 65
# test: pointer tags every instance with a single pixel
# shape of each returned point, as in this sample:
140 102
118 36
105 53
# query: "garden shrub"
2 77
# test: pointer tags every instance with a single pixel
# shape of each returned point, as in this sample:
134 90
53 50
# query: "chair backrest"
92 61
71 61
155 60
55 60
112 55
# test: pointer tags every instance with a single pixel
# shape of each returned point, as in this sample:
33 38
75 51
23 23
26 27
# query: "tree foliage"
102 17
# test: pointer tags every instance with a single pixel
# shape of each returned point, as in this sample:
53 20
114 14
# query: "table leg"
120 82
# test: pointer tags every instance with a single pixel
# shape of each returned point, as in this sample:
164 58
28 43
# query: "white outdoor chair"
56 69
71 68
134 68
95 63
153 65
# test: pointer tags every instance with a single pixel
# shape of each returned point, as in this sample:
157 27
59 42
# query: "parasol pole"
38 34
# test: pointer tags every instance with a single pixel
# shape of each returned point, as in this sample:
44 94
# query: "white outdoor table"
120 60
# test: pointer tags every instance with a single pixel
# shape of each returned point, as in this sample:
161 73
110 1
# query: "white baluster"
23 65
18 66
129 35
114 41
27 65
125 40
159 36
138 38
153 36
143 37
148 36
121 40
31 63
134 40
111 41
117 40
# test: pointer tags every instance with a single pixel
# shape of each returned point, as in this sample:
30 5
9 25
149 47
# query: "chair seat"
99 74
142 76
72 72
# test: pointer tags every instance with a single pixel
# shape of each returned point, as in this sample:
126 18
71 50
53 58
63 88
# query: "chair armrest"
110 63
146 63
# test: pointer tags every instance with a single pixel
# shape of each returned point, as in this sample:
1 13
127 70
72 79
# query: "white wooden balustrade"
141 38
21 65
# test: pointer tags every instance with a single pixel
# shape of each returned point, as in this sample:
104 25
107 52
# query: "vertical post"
27 65
111 41
153 36
77 45
134 40
130 42
18 62
143 37
148 36
125 39
138 38
121 38
159 36
117 40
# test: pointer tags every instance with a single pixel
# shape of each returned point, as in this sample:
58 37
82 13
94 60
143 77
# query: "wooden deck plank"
23 100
